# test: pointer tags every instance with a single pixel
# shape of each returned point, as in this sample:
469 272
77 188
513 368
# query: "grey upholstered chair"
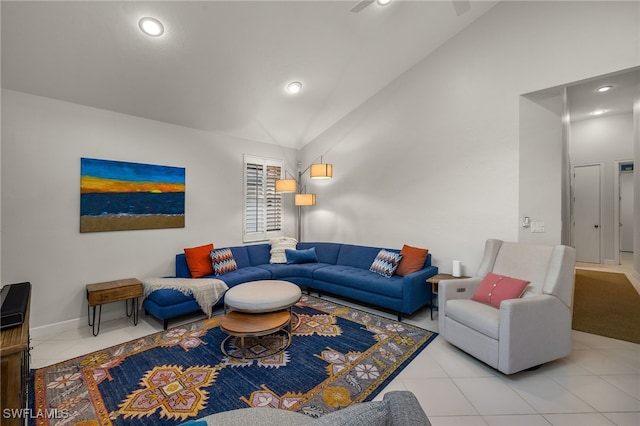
524 332
397 408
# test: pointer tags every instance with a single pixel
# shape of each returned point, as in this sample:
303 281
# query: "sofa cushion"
301 256
167 296
357 256
413 259
495 288
349 276
482 318
259 254
385 263
243 275
279 270
241 256
182 269
326 252
199 261
171 310
223 261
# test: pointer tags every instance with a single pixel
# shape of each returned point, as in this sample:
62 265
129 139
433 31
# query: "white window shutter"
262 204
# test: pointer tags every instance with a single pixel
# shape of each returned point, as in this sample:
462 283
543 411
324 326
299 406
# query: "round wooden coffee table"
243 325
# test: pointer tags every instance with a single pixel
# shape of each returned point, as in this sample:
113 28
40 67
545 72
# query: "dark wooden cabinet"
14 373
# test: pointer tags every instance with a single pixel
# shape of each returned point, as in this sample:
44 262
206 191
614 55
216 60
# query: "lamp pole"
299 207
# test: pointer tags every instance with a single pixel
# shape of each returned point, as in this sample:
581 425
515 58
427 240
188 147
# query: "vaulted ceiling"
223 66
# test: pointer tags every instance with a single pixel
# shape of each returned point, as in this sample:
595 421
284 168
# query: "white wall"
42 143
541 168
636 187
434 158
604 140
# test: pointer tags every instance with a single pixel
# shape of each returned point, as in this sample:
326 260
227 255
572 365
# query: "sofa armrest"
416 293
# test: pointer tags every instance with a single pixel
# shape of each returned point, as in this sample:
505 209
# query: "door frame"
616 208
601 167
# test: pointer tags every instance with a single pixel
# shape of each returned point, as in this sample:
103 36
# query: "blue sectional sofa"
341 270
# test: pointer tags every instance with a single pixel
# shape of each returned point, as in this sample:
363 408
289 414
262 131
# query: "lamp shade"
321 171
305 200
286 185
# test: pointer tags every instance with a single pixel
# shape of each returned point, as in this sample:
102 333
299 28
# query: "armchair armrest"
404 409
533 330
462 288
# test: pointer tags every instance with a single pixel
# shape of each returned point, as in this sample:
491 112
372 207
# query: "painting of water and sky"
117 196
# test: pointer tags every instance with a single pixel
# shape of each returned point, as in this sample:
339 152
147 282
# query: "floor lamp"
302 198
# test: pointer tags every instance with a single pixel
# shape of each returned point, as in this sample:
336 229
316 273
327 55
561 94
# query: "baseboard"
50 330
610 262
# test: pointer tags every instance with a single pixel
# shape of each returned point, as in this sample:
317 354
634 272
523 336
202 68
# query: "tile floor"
599 384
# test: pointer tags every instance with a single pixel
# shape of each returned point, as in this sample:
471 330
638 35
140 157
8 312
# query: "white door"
626 211
586 213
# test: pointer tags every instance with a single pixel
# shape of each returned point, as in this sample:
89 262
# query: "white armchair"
524 332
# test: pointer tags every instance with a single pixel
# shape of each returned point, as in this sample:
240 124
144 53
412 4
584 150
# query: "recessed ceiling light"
294 87
151 27
604 89
599 112
383 2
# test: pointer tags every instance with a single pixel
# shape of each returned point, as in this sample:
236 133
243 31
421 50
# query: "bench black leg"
399 316
165 323
134 309
95 329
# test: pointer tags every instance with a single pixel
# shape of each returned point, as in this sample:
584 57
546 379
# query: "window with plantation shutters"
262 204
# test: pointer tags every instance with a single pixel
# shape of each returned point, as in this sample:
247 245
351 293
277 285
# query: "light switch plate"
537 227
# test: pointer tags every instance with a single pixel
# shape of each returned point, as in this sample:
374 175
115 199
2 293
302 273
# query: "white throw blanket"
206 291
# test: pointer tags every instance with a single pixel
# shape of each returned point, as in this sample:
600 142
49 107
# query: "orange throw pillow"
199 260
413 259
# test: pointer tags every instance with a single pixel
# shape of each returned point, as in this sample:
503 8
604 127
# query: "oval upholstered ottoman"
262 296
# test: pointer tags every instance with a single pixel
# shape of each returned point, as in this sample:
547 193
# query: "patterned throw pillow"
386 263
223 261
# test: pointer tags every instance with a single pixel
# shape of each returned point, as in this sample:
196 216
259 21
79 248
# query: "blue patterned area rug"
338 356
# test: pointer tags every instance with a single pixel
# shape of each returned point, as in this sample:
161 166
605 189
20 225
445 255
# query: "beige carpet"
606 304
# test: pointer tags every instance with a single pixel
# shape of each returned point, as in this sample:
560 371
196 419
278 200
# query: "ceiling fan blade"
461 6
361 5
